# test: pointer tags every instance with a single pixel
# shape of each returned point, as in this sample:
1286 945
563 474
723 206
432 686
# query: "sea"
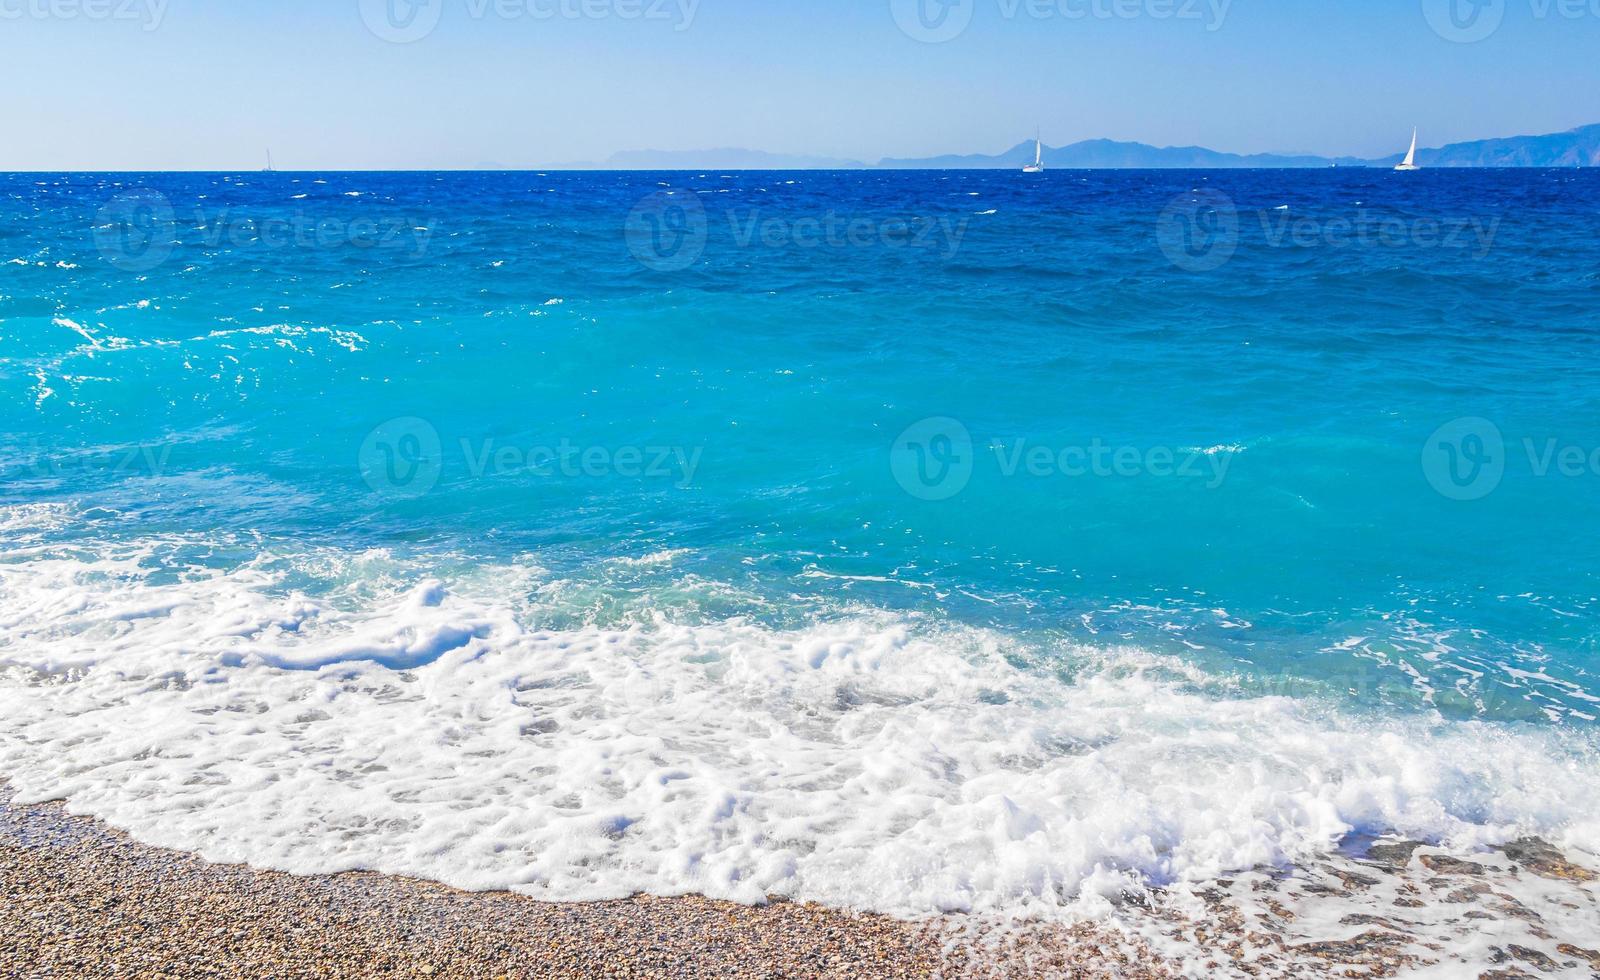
962 542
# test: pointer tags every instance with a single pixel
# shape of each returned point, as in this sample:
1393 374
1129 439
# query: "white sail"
1411 155
1037 167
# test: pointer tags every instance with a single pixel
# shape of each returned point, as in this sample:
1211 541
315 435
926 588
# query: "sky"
400 84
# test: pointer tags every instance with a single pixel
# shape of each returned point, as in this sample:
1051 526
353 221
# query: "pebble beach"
81 900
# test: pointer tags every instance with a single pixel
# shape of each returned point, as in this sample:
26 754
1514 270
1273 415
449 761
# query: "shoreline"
83 899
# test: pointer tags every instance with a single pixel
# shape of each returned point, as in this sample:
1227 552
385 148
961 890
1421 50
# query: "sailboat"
1037 166
269 168
1410 162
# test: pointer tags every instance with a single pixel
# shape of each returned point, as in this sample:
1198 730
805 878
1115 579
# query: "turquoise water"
1319 441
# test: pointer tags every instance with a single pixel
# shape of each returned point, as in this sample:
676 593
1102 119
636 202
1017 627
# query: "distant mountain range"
1575 148
1112 155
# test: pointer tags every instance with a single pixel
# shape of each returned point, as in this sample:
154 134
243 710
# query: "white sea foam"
318 711
78 329
42 392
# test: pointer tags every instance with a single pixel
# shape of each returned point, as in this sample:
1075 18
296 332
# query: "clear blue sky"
215 82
